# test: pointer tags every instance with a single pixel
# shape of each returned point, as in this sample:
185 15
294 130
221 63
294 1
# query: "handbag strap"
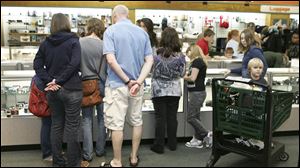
98 73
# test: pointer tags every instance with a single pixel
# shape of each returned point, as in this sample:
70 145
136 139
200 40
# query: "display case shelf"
26 121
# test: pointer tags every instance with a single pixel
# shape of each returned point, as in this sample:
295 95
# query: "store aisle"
183 157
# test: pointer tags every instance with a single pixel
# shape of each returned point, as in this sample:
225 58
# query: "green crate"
282 107
243 112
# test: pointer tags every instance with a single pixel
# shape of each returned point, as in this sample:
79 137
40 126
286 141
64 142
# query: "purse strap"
98 73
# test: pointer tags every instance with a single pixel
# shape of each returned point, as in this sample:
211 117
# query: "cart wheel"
284 156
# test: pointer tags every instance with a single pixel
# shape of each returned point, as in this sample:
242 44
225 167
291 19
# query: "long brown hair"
250 40
96 26
152 35
170 42
60 23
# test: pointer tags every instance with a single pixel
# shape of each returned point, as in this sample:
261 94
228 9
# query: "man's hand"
131 83
134 89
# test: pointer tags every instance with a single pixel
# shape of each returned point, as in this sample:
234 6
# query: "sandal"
105 164
84 163
134 164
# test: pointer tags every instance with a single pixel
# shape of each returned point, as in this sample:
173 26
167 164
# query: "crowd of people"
121 57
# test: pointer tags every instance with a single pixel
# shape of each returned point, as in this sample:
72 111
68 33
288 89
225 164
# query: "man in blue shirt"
129 56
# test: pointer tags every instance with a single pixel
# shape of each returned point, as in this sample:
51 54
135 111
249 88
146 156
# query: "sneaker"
191 141
194 144
48 159
208 140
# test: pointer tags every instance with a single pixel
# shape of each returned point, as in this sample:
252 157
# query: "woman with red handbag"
38 106
57 64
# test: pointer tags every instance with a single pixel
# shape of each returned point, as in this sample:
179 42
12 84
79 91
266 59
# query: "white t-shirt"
234 45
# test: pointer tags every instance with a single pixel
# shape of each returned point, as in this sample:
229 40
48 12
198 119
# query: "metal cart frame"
223 139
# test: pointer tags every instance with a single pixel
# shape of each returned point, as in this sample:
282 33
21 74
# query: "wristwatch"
126 83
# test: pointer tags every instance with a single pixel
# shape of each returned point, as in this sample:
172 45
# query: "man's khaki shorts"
118 105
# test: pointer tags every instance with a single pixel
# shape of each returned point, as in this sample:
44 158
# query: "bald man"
129 56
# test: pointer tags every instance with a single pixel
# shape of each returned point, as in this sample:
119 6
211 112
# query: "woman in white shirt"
233 42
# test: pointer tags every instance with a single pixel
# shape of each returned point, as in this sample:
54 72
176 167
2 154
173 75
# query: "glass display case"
147 102
5 53
18 58
18 125
287 79
24 53
15 93
210 74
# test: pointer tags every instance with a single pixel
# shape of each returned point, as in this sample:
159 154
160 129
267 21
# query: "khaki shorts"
118 105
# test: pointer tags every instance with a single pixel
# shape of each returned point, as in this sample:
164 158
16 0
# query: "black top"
199 82
261 81
59 58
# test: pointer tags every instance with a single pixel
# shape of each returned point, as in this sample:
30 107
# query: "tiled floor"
182 157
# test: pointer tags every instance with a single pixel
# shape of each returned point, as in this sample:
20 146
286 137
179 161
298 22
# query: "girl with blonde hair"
197 95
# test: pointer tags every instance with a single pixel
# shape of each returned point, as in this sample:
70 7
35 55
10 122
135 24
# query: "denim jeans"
65 105
87 131
195 102
45 137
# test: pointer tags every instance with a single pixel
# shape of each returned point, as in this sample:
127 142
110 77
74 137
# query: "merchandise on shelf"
29 26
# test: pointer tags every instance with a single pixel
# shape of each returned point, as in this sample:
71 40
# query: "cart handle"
243 80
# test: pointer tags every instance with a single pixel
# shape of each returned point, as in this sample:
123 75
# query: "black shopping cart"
241 114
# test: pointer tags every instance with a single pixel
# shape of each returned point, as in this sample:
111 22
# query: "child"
255 68
228 54
204 42
196 94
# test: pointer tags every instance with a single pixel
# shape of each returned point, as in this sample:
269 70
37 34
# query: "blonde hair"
255 62
194 52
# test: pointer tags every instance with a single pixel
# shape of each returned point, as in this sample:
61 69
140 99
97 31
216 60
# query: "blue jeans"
87 131
65 105
45 137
